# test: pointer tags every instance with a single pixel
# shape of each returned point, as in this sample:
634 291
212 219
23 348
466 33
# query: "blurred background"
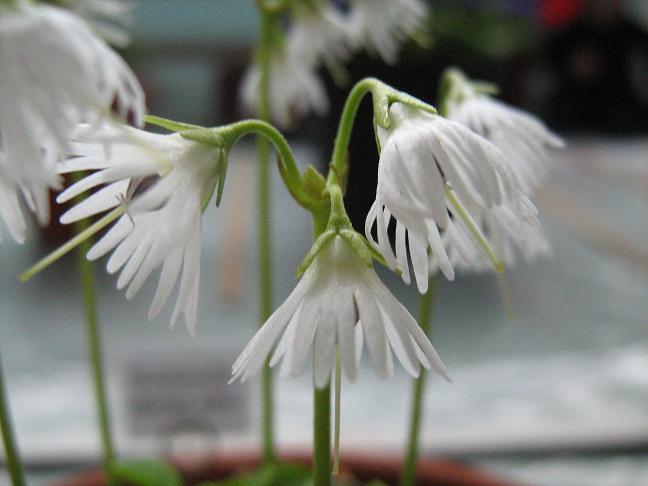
549 390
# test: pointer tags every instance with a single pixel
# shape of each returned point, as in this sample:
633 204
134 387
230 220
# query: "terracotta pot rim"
365 465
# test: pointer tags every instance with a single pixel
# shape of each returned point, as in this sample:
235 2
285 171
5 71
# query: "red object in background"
555 14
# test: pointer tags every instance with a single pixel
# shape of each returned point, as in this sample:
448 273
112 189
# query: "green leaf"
146 472
269 475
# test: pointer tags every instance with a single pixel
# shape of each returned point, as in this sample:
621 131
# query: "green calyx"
314 183
321 241
455 87
338 224
384 95
354 239
170 125
216 137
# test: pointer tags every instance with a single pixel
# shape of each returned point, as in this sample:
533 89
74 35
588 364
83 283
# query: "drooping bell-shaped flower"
10 211
382 26
524 142
431 173
110 18
319 35
339 301
294 88
165 181
55 73
522 138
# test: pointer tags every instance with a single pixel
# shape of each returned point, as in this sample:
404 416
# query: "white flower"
338 301
432 175
508 235
55 73
295 89
109 18
319 34
166 181
522 138
10 208
381 26
524 142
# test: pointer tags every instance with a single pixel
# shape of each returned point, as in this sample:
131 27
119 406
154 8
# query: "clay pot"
363 466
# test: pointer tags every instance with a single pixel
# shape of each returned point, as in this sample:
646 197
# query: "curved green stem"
408 476
338 159
286 162
14 465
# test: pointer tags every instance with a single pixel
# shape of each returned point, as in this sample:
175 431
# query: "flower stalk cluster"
437 179
454 185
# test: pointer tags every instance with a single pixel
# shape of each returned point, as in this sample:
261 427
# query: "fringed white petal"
338 302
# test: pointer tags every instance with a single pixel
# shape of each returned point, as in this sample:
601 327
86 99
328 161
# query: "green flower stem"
321 403
338 403
265 234
86 275
286 161
14 465
343 137
70 245
408 476
322 436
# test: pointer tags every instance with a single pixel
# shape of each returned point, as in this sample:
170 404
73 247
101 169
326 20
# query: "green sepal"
219 180
380 97
171 125
384 95
358 244
407 99
314 183
486 87
146 472
455 85
380 259
320 243
208 136
223 162
375 130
